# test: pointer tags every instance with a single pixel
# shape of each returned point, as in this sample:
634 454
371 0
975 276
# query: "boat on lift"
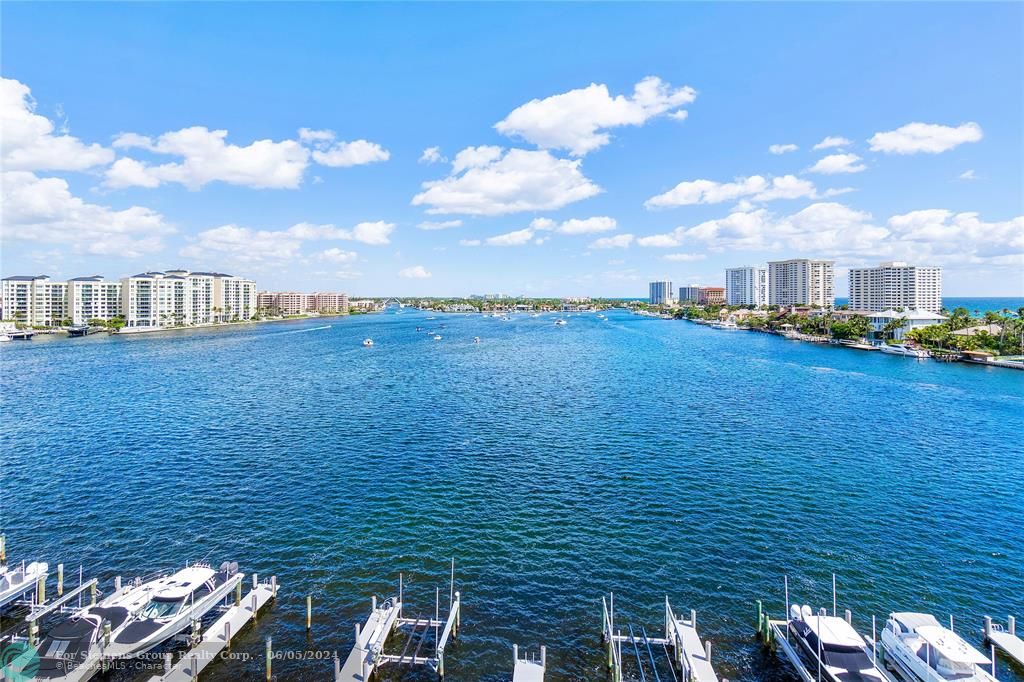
921 650
17 581
830 641
75 648
78 330
180 598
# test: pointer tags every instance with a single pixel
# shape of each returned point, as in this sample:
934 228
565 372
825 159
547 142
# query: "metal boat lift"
386 619
775 635
1005 640
680 651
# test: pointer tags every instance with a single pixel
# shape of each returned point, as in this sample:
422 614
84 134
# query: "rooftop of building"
24 278
910 315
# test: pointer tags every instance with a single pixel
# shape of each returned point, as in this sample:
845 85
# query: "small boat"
78 330
476 339
419 329
431 317
16 582
829 640
437 337
21 334
176 601
561 323
76 645
4 338
367 342
905 350
922 650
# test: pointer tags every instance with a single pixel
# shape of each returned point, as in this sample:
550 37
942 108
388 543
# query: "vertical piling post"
951 623
337 666
988 626
451 586
92 594
273 587
458 616
3 549
33 629
1011 625
760 617
543 656
993 652
255 581
707 650
117 583
270 656
309 612
60 580
238 593
693 618
515 654
106 633
41 590
849 617
833 594
227 634
874 641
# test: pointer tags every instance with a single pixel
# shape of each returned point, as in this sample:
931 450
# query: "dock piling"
41 590
60 580
849 617
707 650
988 626
270 656
309 612
117 583
1011 625
760 617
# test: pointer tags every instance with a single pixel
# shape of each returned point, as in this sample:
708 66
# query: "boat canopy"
951 646
834 631
910 621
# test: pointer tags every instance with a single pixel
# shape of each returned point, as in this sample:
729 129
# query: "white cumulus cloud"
441 225
838 163
833 141
619 241
432 155
515 238
44 210
928 138
336 255
491 181
414 272
578 120
684 257
755 187
28 141
347 154
782 148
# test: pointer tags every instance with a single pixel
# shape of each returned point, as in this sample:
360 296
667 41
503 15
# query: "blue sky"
577 148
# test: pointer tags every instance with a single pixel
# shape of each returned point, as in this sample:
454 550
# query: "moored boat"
833 643
905 350
19 580
921 650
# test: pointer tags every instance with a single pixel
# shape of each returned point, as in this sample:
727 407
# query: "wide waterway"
555 464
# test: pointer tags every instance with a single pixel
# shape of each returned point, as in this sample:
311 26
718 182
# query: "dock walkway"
218 636
370 638
528 669
1006 641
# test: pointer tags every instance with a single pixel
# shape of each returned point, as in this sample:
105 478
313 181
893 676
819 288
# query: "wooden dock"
692 655
528 669
218 636
370 639
1005 640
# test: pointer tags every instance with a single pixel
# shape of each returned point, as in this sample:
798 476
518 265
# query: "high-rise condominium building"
747 285
34 299
175 297
661 293
93 298
689 294
801 281
894 285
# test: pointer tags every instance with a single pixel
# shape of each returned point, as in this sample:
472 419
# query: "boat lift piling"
1005 640
387 618
681 646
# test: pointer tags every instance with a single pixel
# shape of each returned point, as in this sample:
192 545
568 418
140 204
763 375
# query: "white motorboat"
77 646
561 323
17 581
905 350
922 650
476 339
843 654
178 599
367 342
437 337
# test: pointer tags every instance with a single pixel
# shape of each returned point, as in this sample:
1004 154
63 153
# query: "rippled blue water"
555 463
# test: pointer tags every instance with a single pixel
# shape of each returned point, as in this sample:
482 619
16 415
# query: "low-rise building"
327 302
912 319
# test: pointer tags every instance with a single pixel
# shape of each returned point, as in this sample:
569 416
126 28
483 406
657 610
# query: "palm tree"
890 328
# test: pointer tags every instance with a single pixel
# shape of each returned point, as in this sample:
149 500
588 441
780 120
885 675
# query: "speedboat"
922 650
367 342
179 599
78 644
476 339
843 654
904 349
437 337
18 581
561 323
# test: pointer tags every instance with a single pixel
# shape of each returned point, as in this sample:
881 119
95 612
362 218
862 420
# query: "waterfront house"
912 319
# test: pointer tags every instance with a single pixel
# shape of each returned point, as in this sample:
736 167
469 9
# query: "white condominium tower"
176 297
894 285
34 299
661 293
747 285
93 298
801 281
